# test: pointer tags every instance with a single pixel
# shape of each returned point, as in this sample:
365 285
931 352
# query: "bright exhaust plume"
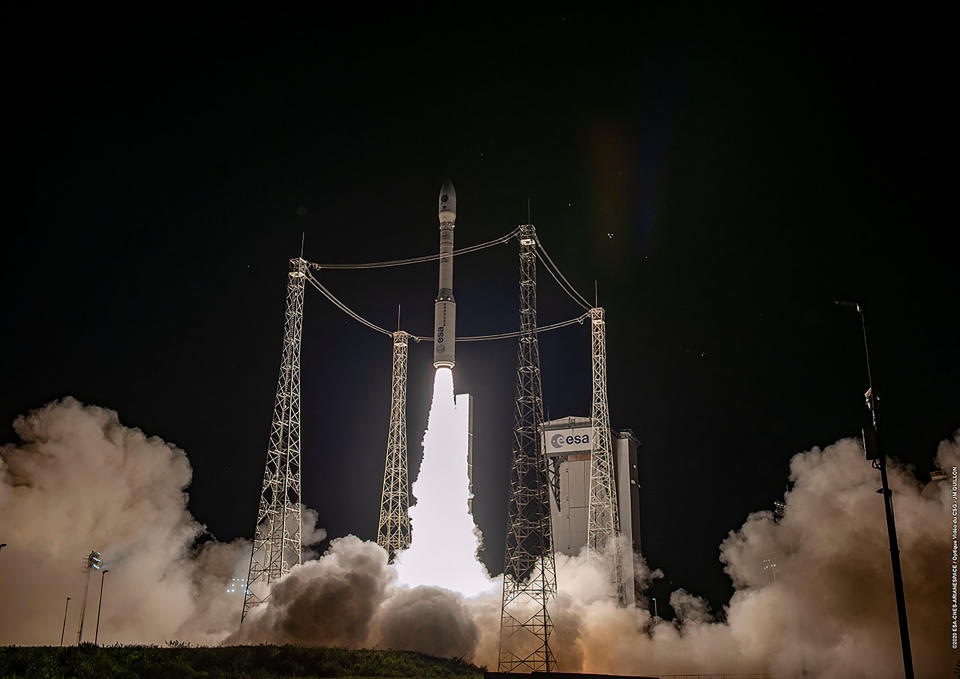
443 552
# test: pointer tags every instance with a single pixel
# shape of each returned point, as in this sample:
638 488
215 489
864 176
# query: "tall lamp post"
64 628
93 562
96 635
874 451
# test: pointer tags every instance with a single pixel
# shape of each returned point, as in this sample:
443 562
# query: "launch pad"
529 575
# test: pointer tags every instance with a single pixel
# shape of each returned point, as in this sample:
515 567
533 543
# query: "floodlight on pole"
96 635
93 562
879 457
64 628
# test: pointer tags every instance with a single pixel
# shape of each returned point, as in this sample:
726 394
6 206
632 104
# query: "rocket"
445 309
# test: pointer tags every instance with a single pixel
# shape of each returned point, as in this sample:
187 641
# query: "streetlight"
94 561
96 635
874 451
64 629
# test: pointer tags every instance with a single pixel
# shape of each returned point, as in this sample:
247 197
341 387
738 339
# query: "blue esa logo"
559 440
439 334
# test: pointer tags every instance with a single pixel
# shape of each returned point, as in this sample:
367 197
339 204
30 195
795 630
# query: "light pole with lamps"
874 451
96 635
64 628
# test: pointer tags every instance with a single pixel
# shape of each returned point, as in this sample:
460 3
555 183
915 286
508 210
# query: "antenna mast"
393 530
277 540
529 573
603 517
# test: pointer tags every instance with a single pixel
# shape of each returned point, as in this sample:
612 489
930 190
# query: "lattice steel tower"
603 517
277 539
393 531
529 574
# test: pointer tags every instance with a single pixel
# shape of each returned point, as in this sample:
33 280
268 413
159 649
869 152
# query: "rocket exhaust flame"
445 538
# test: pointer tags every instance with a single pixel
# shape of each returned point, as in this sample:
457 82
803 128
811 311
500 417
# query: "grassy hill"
245 662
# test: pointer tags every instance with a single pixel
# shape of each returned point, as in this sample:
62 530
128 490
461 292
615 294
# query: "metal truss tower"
277 539
393 531
529 573
603 517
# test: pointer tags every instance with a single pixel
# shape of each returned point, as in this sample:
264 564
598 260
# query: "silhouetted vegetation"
244 662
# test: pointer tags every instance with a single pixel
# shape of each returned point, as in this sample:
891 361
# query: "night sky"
723 176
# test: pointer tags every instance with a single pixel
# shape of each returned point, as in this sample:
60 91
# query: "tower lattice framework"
277 539
529 573
603 516
393 531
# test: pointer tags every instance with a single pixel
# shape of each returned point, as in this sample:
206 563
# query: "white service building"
568 441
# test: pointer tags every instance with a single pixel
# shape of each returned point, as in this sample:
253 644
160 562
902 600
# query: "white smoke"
349 597
79 479
327 602
828 612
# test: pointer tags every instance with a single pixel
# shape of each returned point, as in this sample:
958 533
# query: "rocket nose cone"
448 202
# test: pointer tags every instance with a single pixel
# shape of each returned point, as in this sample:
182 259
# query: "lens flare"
443 552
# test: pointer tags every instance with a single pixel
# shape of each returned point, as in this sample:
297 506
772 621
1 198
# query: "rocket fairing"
445 309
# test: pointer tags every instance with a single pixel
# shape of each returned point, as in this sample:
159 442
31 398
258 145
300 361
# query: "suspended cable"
552 269
344 308
419 338
517 333
583 300
562 286
418 260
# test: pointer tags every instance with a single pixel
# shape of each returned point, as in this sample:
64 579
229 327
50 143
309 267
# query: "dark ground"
240 662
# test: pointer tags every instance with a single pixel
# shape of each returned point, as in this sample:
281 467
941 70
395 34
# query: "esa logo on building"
561 440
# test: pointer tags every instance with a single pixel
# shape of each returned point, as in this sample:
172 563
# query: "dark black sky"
750 169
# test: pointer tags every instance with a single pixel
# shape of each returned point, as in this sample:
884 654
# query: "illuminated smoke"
80 479
351 597
443 552
348 597
830 612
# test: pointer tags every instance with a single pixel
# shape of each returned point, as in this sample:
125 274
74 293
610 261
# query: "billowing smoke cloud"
813 589
80 480
349 598
429 619
814 594
327 602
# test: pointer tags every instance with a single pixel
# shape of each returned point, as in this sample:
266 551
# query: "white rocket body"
445 309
